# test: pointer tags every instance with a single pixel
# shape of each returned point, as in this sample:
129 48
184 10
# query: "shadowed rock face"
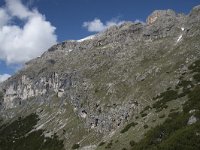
88 91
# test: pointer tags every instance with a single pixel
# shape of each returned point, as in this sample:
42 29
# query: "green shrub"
143 114
194 100
195 67
109 145
128 126
162 116
146 126
197 77
184 83
173 114
102 143
164 98
145 109
132 143
75 146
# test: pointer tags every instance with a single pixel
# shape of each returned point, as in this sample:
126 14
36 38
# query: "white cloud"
97 25
17 9
4 77
20 44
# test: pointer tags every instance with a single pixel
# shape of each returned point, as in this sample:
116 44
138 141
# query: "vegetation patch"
128 126
162 116
197 77
164 98
132 143
75 146
184 83
102 143
195 67
19 135
109 145
194 100
146 109
157 136
143 114
146 126
175 133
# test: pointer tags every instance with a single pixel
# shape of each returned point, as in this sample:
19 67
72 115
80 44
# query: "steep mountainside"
133 86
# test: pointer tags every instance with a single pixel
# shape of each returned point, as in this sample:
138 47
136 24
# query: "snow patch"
86 38
40 127
179 38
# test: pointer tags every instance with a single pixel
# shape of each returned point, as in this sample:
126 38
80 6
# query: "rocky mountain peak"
194 14
160 14
196 8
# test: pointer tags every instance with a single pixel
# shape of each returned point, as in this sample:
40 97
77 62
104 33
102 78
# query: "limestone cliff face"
86 91
25 88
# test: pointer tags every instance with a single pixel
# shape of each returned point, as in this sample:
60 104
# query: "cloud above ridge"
4 77
19 44
97 25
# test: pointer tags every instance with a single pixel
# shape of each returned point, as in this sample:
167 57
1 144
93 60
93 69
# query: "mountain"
135 86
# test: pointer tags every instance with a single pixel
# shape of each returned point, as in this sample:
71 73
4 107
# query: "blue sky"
68 15
65 20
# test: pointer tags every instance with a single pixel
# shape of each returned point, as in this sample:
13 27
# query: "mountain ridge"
113 87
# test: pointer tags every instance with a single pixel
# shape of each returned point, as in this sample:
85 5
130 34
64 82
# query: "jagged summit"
160 14
196 8
108 91
161 23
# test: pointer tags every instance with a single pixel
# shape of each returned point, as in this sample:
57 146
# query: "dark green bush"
184 83
75 146
197 77
195 67
143 114
162 116
102 143
132 143
164 98
128 126
145 109
194 100
146 126
109 145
